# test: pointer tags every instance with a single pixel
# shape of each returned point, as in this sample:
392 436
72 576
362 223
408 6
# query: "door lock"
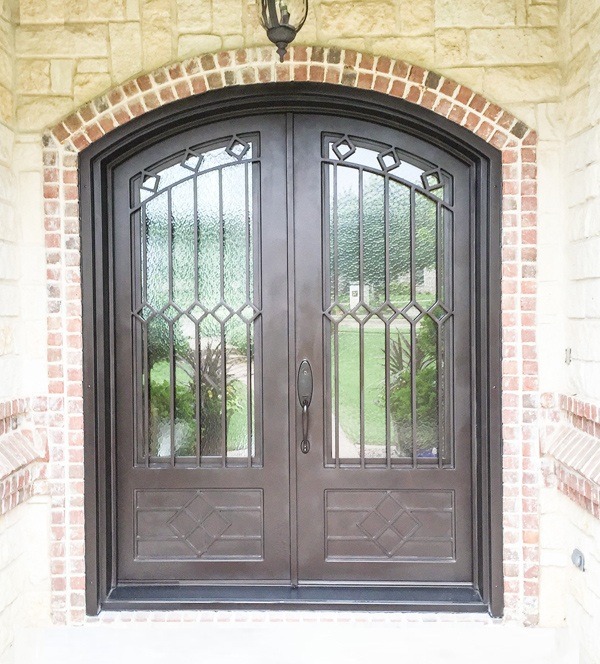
305 390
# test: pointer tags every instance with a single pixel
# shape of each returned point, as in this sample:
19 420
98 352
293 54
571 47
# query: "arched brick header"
195 76
316 64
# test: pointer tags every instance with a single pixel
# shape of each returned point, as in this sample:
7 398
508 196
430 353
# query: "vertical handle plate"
305 390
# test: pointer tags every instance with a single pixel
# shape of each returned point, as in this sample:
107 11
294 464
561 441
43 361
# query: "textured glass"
387 308
197 310
426 220
347 381
426 388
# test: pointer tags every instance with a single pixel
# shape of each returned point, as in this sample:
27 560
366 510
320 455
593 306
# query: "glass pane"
347 386
374 277
197 308
426 387
389 321
426 221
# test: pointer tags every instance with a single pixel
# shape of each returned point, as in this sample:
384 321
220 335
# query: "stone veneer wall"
582 180
196 76
24 520
570 519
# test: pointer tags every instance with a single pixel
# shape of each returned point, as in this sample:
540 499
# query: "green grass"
374 381
237 436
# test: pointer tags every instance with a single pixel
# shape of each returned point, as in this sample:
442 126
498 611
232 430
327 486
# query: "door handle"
305 390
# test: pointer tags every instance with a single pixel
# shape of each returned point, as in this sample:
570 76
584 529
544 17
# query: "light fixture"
282 19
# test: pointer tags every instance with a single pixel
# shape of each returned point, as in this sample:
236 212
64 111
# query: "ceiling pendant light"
282 19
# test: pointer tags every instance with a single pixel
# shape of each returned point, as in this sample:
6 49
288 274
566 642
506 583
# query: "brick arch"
316 64
195 76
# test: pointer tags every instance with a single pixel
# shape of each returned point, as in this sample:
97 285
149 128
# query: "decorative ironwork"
388 304
196 305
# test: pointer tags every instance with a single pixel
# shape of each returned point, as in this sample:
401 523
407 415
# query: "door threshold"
454 599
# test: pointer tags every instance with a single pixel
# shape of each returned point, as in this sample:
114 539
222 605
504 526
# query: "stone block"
33 76
91 11
61 76
539 16
62 41
9 263
93 66
417 18
513 46
7 182
125 50
7 346
450 48
41 11
475 13
6 105
195 15
10 303
416 50
157 33
132 10
6 68
8 231
88 86
189 45
522 84
7 140
581 12
227 17
37 113
31 208
344 19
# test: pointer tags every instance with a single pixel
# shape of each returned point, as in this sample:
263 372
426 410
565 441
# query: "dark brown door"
242 249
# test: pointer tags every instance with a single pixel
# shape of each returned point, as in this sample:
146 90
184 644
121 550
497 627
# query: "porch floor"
299 639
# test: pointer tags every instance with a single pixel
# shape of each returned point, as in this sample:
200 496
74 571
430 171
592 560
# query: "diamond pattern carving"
199 524
389 525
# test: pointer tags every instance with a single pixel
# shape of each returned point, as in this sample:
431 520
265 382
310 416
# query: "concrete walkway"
270 642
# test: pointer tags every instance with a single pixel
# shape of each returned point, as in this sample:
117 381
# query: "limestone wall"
24 570
70 51
582 180
568 595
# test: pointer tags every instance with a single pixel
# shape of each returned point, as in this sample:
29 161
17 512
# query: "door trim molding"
96 164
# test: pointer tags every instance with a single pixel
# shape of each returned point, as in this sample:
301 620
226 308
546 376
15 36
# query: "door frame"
95 165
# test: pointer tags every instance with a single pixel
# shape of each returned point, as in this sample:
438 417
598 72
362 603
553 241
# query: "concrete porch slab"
254 639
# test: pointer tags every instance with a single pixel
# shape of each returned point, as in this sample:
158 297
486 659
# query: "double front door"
292 348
